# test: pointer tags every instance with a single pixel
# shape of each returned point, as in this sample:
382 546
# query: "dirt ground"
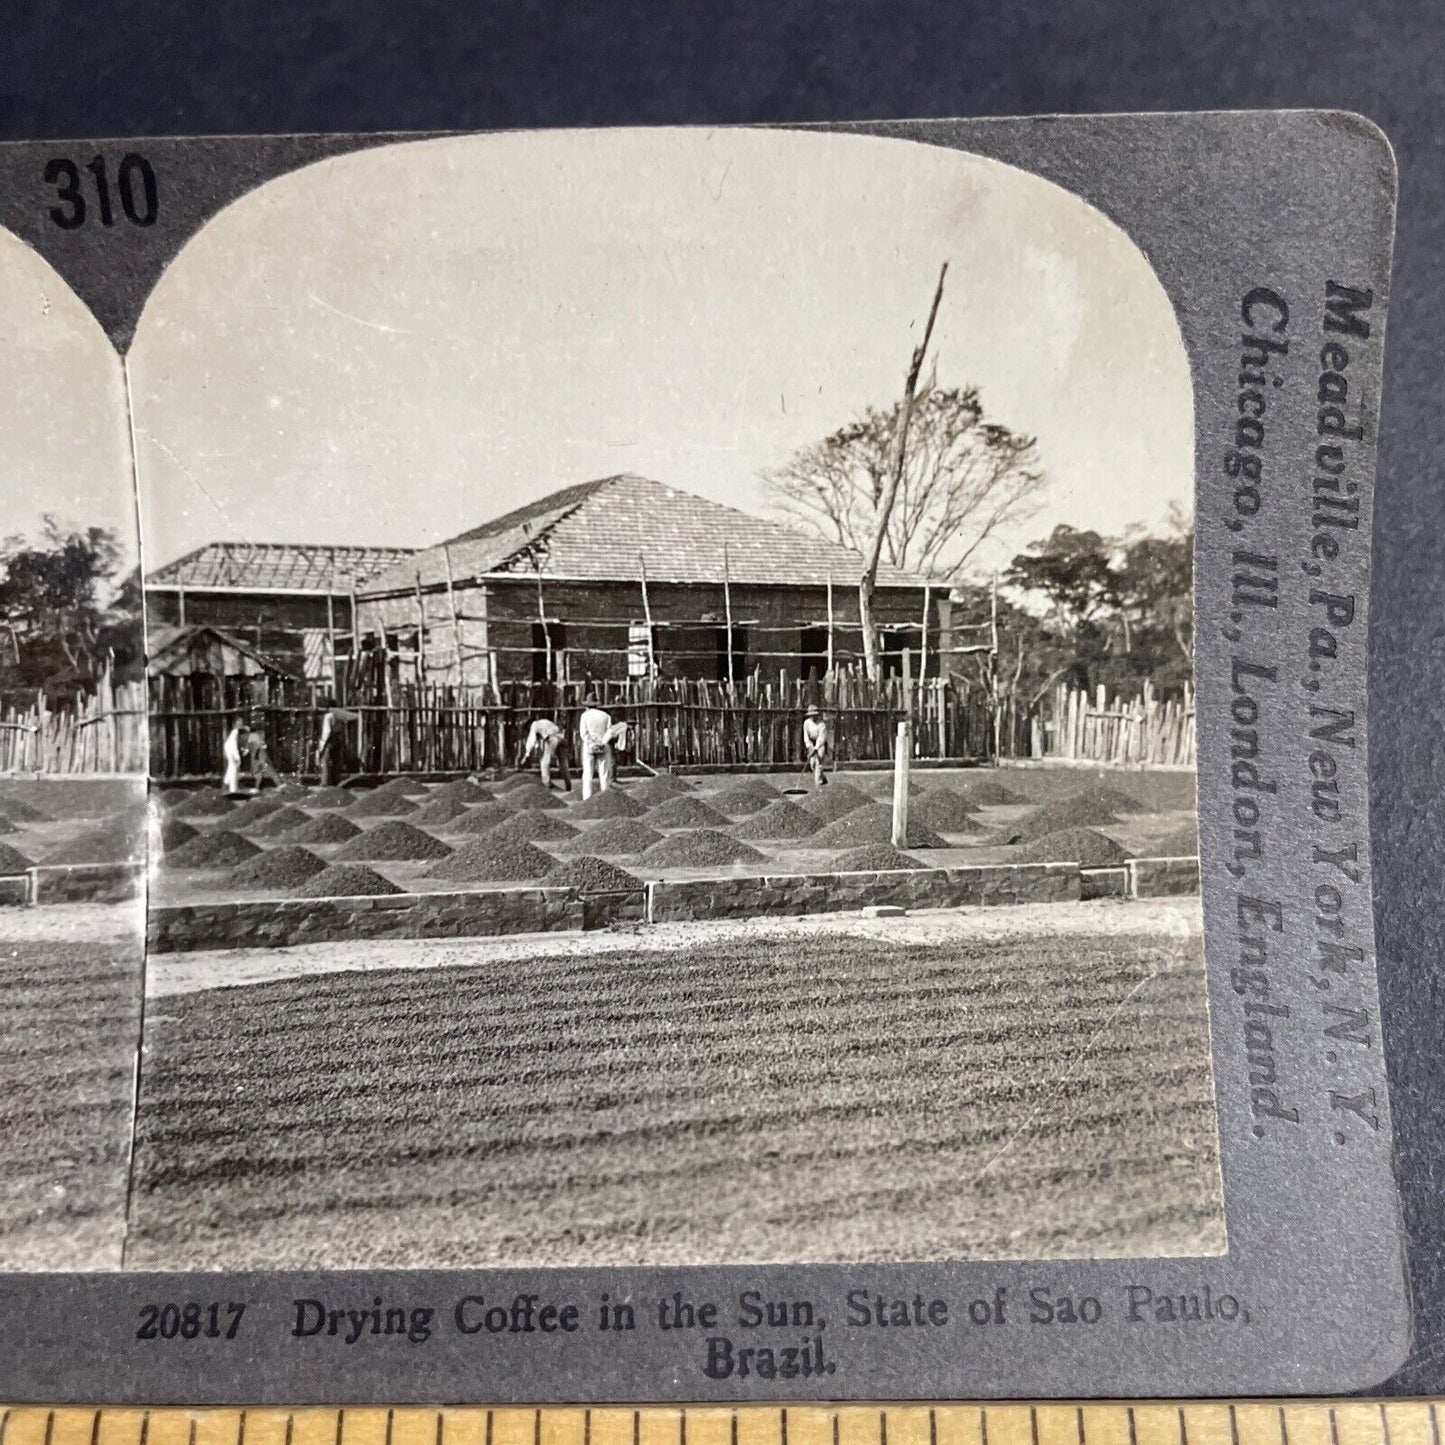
966 1085
82 820
71 979
71 976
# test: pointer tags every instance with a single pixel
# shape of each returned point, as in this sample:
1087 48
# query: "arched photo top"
62 409
393 345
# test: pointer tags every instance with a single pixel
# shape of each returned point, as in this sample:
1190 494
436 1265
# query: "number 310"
135 187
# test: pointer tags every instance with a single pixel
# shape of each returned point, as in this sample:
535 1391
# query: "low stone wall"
788 894
1104 882
88 882
1163 877
73 883
279 923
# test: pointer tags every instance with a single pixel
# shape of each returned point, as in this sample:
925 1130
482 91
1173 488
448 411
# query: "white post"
902 754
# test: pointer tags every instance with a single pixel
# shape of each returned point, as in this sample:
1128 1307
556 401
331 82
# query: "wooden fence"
103 732
1077 727
678 722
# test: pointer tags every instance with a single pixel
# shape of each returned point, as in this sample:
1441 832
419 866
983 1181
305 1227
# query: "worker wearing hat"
817 744
594 745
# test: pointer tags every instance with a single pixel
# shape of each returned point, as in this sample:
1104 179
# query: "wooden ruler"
1271 1422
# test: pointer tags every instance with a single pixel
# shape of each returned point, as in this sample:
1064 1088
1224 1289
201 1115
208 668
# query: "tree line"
69 610
1091 610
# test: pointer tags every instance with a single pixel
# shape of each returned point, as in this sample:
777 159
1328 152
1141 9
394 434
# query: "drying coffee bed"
68 1054
506 833
748 1111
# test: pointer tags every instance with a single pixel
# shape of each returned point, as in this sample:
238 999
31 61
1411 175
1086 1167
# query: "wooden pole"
728 612
353 653
542 616
897 456
647 617
923 637
993 667
456 621
331 637
830 621
353 650
902 755
420 634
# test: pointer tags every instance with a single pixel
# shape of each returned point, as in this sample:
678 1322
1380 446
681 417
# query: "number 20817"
190 1321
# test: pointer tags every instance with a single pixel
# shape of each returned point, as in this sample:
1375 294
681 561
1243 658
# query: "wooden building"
627 577
292 604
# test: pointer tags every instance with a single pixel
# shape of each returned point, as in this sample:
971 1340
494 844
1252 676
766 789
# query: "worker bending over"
546 738
263 770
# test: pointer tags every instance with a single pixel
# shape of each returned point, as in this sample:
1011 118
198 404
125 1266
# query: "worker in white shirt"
331 745
817 745
231 752
546 738
594 745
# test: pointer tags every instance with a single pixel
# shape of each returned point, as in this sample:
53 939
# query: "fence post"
902 753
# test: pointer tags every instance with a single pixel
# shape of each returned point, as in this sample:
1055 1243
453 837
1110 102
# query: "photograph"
73 757
668 672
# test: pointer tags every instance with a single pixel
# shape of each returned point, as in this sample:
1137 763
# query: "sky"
65 446
393 346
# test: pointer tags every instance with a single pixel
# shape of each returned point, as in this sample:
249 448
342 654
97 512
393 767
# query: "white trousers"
603 761
549 756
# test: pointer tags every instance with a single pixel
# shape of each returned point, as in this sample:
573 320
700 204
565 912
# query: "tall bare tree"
963 477
921 484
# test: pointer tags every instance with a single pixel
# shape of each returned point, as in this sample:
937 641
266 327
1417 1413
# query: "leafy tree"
122 637
63 616
963 476
1116 611
1155 582
1071 570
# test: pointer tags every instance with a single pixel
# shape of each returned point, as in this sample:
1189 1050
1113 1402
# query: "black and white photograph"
73 752
669 663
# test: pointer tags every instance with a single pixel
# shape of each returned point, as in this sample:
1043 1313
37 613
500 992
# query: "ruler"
1254 1422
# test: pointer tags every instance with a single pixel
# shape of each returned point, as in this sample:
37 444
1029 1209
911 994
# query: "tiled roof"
598 531
276 567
